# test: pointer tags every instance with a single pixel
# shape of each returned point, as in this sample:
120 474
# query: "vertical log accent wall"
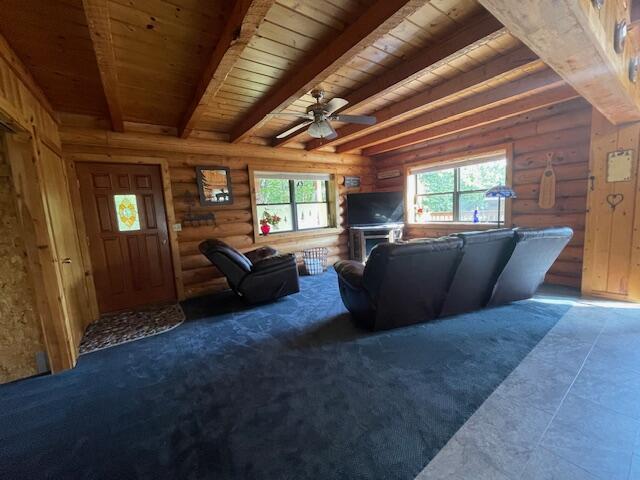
563 130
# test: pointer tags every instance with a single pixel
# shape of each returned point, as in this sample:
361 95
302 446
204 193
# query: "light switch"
177 227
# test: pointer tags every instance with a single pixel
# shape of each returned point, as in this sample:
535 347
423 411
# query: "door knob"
66 260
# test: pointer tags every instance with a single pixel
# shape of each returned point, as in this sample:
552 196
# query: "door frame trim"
168 207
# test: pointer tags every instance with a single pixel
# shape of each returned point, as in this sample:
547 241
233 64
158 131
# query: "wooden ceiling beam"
242 24
576 40
508 92
501 112
377 20
97 14
481 30
512 62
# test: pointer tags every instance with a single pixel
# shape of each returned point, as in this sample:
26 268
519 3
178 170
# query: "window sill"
456 225
316 232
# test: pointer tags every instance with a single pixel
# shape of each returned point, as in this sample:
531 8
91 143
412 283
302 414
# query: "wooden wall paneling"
97 13
611 232
81 231
576 40
64 241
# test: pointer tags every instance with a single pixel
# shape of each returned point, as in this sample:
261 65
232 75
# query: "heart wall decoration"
614 199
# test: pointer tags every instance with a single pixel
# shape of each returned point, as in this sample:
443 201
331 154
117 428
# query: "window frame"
455 162
331 202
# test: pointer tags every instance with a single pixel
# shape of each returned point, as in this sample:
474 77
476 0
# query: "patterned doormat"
115 329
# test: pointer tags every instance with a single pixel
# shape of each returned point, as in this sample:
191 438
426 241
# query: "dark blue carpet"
290 390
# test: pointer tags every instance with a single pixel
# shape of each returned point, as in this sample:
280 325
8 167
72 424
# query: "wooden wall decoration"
234 222
214 185
547 196
612 241
562 129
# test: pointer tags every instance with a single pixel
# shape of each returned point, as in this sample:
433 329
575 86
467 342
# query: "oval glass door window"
127 212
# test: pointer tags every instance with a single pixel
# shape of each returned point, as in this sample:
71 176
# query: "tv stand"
362 238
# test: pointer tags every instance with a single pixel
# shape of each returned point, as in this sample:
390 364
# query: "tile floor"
571 410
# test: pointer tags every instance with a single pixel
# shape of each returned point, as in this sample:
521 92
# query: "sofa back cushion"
232 263
408 283
535 251
484 256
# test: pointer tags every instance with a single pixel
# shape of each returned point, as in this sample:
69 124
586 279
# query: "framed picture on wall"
214 185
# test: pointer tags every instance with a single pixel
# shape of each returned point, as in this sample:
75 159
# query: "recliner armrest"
350 271
275 262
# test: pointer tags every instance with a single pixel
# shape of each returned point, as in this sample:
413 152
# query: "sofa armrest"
350 271
274 263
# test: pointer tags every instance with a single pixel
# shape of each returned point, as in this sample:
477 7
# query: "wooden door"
126 224
67 247
612 237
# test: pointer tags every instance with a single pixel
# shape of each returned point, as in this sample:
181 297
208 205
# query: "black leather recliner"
260 276
416 281
535 251
401 284
484 256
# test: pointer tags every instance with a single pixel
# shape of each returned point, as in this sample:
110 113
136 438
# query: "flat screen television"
375 208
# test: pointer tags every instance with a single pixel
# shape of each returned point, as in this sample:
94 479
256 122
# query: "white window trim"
454 161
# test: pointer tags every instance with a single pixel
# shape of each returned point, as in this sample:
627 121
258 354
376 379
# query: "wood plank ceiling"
214 68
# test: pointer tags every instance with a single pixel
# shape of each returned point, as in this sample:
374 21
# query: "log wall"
234 223
563 130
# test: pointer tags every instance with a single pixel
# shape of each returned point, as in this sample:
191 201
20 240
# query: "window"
127 212
299 201
455 192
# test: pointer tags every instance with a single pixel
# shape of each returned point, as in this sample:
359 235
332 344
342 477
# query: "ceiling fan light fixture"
320 130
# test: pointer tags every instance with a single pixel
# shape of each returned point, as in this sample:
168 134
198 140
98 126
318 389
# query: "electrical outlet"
177 227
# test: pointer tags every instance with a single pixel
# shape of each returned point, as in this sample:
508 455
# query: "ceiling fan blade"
289 114
361 119
335 104
294 129
322 129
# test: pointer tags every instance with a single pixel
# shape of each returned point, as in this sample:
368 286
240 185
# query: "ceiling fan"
320 114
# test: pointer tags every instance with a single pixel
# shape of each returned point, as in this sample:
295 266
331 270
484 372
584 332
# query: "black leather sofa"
259 276
419 280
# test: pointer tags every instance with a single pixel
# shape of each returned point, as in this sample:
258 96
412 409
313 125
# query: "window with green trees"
292 202
456 193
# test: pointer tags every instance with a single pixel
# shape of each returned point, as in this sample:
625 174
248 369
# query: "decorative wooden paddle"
547 198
